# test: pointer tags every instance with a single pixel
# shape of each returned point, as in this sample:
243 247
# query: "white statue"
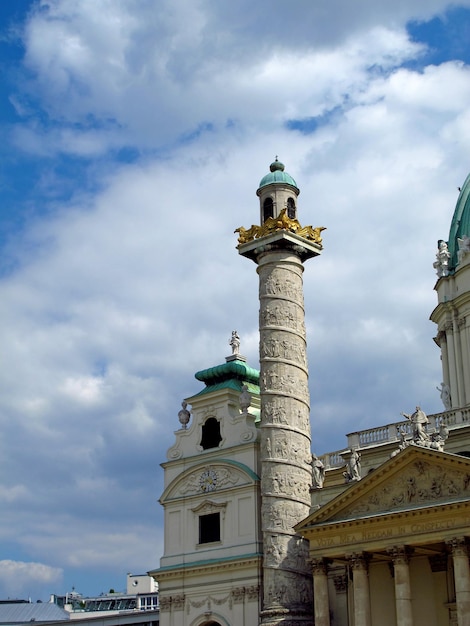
464 247
444 390
235 342
318 472
441 264
353 467
184 415
418 420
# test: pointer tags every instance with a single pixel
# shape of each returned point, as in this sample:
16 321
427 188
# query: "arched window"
291 208
211 436
268 209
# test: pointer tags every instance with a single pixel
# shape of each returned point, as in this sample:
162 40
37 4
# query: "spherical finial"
276 166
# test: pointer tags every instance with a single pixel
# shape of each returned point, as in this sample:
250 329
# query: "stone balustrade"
390 433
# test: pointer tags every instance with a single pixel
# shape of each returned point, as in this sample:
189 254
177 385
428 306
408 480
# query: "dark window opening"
209 528
291 208
268 209
211 436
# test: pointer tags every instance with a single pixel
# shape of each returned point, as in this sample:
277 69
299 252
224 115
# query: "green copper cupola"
277 191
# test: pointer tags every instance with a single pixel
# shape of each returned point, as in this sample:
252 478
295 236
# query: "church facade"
257 531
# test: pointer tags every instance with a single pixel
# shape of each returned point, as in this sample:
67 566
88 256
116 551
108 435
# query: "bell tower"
279 247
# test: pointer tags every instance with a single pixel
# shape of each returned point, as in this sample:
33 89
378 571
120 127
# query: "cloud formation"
151 130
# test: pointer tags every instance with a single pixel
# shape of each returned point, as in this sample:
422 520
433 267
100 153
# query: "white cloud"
18 577
119 295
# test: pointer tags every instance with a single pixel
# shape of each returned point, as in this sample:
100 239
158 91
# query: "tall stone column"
321 603
400 558
286 455
279 247
359 566
461 579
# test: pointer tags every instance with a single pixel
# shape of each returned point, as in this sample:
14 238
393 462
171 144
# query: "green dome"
460 225
277 175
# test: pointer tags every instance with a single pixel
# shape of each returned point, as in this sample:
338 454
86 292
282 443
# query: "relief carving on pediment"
209 479
422 483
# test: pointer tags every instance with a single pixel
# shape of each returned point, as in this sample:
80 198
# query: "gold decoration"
282 222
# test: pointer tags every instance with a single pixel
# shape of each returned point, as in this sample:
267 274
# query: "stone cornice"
206 567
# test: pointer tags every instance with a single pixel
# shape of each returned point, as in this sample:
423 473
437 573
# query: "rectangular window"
209 528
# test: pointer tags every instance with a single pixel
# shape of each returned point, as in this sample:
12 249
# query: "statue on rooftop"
444 390
353 467
235 342
464 247
318 472
419 421
441 264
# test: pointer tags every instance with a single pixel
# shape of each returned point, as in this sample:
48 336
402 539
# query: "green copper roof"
460 225
232 370
277 175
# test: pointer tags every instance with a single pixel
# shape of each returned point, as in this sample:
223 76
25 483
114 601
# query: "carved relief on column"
286 445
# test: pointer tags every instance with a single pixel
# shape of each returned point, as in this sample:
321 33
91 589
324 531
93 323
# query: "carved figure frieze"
289 591
275 411
281 516
275 224
288 483
277 379
422 483
280 283
273 347
282 314
283 444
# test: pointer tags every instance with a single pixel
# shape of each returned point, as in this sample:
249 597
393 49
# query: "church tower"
279 247
452 314
210 572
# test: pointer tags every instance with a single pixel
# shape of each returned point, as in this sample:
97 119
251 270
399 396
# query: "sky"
133 136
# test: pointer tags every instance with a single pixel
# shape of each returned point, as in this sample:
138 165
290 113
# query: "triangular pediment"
416 477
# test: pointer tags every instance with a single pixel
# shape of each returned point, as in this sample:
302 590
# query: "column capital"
458 546
359 560
400 554
319 566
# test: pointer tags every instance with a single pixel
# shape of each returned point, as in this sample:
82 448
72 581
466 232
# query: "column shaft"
461 580
321 601
402 586
362 616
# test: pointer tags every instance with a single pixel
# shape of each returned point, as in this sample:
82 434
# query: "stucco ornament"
245 399
184 415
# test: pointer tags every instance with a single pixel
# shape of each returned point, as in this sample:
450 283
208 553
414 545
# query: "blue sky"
133 138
